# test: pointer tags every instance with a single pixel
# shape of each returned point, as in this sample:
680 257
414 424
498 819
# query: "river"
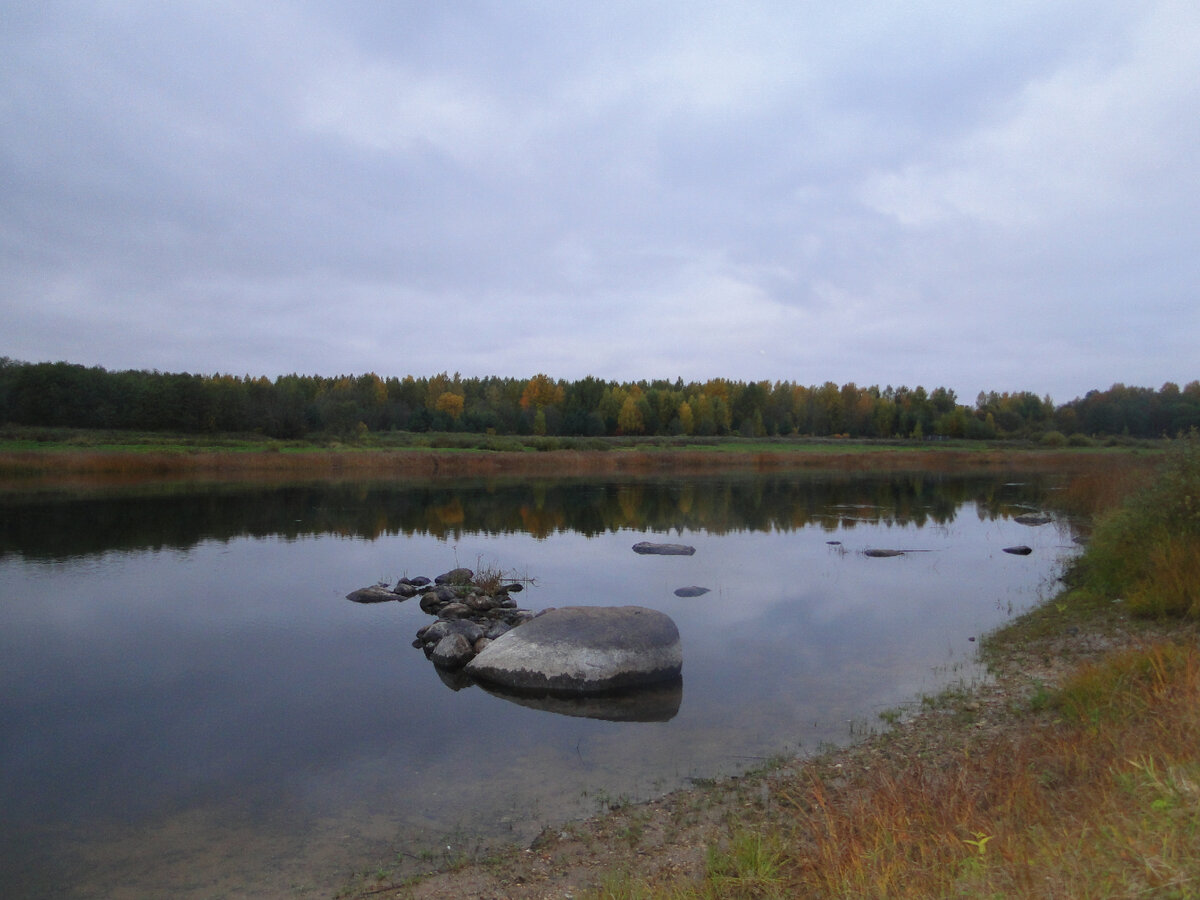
190 707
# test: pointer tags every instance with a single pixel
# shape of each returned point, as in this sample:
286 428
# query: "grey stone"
495 629
691 591
883 554
584 650
454 611
1020 550
431 634
430 602
645 547
373 594
455 576
472 631
452 652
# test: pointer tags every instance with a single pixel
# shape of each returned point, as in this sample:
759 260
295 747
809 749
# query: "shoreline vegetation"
40 457
1072 771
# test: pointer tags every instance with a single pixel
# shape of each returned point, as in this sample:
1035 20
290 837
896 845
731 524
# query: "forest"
62 394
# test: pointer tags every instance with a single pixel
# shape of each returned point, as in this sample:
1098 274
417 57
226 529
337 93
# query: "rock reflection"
655 703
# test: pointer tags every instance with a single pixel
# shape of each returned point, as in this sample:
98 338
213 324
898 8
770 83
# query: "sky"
980 196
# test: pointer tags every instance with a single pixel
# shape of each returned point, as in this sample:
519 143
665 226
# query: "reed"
1096 797
1146 551
42 467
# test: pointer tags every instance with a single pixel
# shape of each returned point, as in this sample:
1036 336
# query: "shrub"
1054 439
1148 549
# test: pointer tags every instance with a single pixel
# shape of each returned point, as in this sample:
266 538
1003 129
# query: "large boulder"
583 650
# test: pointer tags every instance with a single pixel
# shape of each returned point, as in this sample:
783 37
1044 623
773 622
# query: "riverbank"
36 459
1005 787
1072 772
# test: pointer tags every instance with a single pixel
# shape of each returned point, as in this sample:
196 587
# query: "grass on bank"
60 456
1091 789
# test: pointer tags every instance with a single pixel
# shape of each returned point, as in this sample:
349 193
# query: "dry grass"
33 468
1098 801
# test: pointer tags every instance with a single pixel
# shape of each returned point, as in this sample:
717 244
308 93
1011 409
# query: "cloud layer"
996 199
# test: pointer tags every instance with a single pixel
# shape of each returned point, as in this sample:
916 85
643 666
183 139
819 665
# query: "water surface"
190 707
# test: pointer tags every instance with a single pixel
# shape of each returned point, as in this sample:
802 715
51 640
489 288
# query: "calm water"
189 707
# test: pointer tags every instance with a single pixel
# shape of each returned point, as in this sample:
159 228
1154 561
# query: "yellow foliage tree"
687 422
450 404
541 392
629 419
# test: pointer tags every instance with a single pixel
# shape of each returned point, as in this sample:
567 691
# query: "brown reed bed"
38 468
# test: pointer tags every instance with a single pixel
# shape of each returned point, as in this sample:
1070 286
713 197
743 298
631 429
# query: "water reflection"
59 526
656 703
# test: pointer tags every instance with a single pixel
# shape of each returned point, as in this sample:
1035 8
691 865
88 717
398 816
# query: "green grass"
1146 552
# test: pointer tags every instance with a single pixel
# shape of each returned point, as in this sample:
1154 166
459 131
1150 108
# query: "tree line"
64 394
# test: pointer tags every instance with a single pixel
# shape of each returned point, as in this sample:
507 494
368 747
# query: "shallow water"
190 707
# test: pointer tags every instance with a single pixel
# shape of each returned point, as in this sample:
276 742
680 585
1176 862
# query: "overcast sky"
984 196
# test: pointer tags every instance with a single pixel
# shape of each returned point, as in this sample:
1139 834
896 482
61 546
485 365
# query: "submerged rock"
374 594
883 553
1032 519
646 547
584 650
1019 550
691 591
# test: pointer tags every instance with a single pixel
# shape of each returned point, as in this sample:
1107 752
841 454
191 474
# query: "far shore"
85 460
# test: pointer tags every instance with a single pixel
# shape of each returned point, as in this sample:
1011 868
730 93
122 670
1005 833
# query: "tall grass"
1097 797
1146 552
273 461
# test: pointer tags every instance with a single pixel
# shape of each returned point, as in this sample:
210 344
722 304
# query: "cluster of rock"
573 650
468 617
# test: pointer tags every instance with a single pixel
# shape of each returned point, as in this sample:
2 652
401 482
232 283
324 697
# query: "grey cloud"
999 198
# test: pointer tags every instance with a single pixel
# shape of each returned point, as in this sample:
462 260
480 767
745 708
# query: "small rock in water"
455 576
645 547
1019 550
691 591
1032 519
883 553
374 594
452 652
